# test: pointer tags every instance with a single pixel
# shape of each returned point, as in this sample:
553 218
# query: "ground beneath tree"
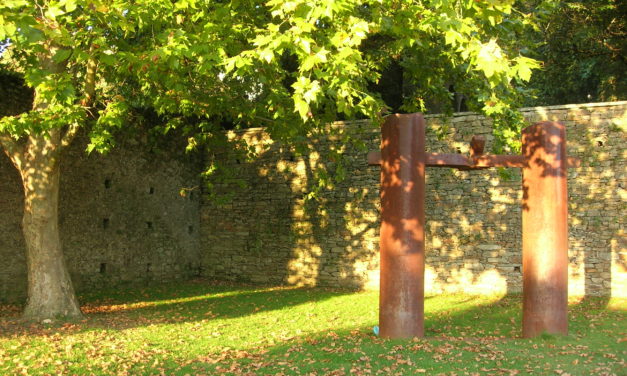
202 327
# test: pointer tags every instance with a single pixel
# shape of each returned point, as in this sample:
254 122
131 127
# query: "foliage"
341 48
290 65
200 328
584 50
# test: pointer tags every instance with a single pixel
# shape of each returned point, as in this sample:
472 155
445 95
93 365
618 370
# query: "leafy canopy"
290 65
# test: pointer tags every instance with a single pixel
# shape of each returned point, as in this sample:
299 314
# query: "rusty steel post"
403 162
545 230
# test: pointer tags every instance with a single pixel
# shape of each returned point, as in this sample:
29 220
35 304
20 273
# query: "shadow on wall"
130 224
122 220
597 196
489 225
268 234
13 266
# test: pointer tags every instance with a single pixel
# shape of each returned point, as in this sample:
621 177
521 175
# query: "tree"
290 65
582 45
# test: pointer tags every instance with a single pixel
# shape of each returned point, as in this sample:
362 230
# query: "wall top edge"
573 106
339 124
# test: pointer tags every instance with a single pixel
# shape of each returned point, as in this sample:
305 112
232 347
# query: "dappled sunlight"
311 329
303 268
619 265
473 218
618 303
103 307
192 309
465 279
576 275
488 281
503 196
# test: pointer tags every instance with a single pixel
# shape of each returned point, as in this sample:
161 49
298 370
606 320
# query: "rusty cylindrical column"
545 230
401 301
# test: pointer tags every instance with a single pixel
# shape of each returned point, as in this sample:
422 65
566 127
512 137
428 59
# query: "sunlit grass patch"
203 328
617 304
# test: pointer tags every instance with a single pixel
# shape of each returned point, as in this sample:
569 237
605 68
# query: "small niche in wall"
238 161
517 269
151 191
148 267
105 223
458 150
107 183
190 229
103 268
149 225
191 195
599 143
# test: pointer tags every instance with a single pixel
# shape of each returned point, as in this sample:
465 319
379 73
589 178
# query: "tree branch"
13 149
90 83
69 135
87 101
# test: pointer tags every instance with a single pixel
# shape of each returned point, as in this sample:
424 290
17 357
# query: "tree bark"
36 157
50 291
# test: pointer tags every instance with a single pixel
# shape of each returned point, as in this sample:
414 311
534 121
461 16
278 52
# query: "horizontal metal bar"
488 160
463 162
448 160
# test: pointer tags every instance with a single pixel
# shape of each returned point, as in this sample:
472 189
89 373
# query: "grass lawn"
203 328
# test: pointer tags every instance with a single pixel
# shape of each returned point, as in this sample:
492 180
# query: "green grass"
203 328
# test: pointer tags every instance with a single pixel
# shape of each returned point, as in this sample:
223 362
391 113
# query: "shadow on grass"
451 323
202 328
482 339
186 302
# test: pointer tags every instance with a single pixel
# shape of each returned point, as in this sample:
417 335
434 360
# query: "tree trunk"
36 156
50 290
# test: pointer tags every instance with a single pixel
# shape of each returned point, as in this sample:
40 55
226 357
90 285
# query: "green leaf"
450 37
266 55
13 4
302 108
53 12
61 55
70 5
524 66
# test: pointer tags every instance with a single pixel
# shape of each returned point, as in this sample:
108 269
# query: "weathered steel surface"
489 160
462 161
545 231
374 158
477 144
401 301
477 159
545 255
476 162
448 160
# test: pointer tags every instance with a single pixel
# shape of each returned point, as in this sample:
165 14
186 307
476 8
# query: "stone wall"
122 219
268 234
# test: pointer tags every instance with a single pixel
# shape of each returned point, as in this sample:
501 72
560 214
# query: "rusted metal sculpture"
403 161
402 242
545 230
